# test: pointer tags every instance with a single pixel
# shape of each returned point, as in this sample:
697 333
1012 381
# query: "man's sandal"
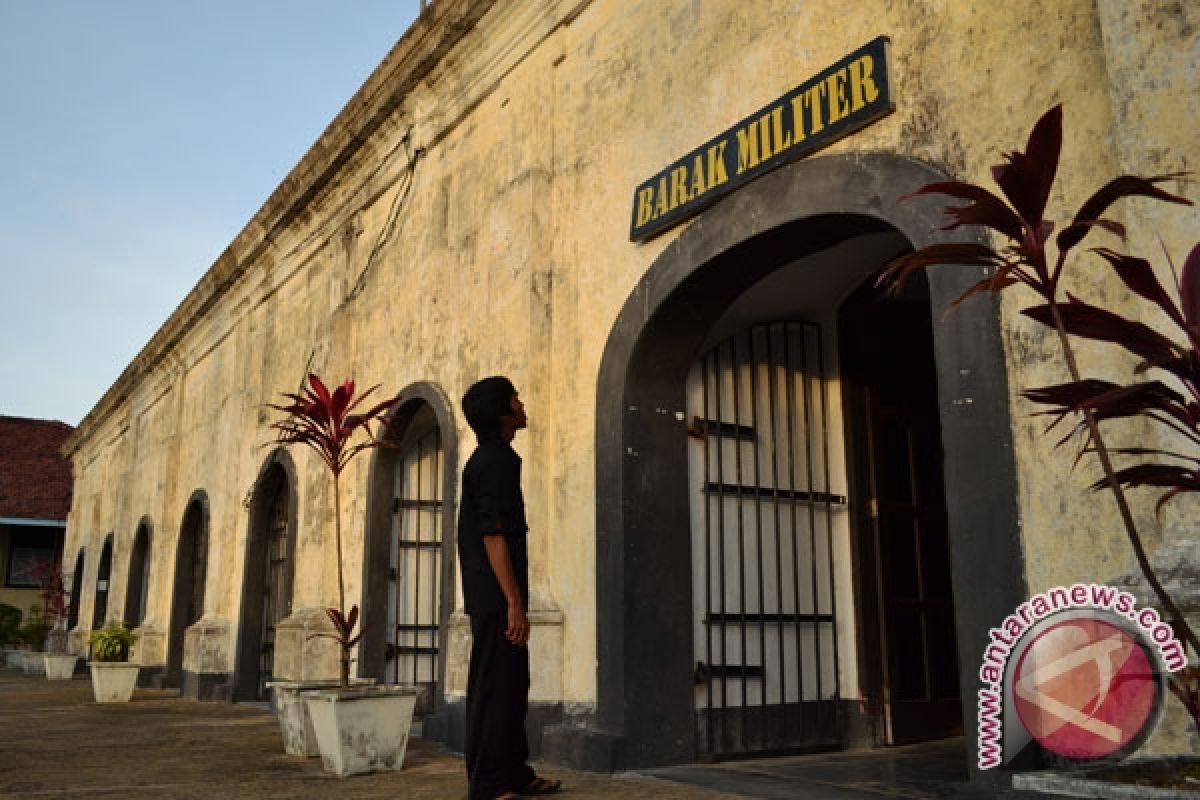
539 786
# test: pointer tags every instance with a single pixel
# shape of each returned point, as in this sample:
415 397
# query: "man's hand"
518 626
496 548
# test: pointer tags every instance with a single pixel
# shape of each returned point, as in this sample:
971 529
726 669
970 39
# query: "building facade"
770 509
35 496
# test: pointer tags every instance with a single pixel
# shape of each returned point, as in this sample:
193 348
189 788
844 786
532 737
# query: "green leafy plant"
322 420
10 625
1170 402
35 629
112 642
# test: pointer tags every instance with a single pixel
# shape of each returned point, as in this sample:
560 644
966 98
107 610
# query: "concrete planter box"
362 730
113 681
291 710
11 658
34 663
59 667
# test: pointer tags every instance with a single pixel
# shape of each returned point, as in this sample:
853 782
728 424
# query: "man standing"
495 579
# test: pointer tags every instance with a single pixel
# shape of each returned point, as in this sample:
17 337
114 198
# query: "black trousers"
497 701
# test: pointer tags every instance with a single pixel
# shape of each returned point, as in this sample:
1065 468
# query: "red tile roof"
35 479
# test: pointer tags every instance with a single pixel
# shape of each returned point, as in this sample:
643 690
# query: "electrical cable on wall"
389 227
385 235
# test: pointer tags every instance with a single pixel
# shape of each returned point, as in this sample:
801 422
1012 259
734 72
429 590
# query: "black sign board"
847 96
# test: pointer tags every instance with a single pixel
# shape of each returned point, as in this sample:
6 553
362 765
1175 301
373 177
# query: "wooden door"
906 605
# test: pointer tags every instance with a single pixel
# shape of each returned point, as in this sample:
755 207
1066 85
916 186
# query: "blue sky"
137 137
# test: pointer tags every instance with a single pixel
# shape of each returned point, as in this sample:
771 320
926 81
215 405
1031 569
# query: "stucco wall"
509 254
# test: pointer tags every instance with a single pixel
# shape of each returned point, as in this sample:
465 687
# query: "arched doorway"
76 591
899 525
137 586
647 680
103 574
409 565
191 572
267 585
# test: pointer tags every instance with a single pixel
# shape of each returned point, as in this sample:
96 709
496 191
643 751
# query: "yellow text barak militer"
827 102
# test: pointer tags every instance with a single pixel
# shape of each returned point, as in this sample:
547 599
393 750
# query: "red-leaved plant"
1025 180
54 593
322 420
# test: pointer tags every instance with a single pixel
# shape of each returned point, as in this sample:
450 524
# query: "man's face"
518 413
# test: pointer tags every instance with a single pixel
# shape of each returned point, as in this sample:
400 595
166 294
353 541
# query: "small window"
27 546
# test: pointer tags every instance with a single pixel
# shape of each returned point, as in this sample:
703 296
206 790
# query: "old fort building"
770 507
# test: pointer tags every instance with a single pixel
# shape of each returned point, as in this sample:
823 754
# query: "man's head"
493 409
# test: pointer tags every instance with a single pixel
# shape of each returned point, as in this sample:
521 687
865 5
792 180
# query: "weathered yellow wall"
510 255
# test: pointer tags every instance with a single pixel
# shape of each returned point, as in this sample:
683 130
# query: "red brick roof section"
35 479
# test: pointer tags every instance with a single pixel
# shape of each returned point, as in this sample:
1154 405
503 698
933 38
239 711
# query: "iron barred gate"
763 544
277 590
414 649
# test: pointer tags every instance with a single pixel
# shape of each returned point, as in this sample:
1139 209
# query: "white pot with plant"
33 632
58 664
291 710
113 677
362 728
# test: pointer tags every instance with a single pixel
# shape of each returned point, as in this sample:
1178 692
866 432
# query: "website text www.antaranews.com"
1003 639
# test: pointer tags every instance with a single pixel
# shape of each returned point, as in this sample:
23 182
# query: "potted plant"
59 665
34 631
344 717
10 636
291 710
113 677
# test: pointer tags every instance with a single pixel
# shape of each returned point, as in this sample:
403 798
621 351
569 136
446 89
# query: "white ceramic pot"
34 663
113 681
60 667
290 709
362 729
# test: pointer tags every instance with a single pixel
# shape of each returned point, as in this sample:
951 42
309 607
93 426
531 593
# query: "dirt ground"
56 742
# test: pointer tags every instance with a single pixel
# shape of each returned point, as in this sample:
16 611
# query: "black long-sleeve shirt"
491 503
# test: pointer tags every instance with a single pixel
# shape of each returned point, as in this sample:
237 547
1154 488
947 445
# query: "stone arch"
191 573
380 492
103 581
76 589
276 483
644 708
137 581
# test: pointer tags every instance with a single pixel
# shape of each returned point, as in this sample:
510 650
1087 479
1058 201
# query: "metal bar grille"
276 585
766 646
415 644
778 617
769 492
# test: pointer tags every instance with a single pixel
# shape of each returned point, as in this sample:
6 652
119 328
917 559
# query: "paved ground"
921 772
56 742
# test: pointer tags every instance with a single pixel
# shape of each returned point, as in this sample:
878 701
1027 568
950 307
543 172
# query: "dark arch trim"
379 526
249 633
180 599
198 496
103 572
135 573
76 588
643 715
